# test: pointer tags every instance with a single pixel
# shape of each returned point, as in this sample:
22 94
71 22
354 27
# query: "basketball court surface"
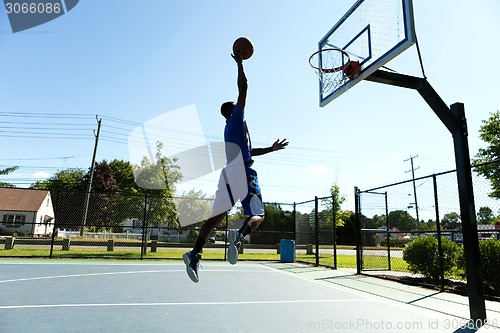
130 296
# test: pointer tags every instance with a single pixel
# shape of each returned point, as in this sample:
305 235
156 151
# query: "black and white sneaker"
235 241
192 261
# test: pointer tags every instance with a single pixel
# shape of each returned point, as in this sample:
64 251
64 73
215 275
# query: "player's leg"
222 202
253 207
192 258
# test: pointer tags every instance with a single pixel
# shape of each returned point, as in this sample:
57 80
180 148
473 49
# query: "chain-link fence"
411 231
315 232
128 226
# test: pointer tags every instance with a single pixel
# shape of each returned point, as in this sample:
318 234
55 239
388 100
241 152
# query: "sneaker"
192 261
235 241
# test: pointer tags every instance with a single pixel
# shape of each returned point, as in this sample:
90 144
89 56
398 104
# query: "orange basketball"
244 47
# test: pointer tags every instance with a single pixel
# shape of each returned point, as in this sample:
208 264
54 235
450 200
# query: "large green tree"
68 179
103 198
490 133
156 179
401 220
451 221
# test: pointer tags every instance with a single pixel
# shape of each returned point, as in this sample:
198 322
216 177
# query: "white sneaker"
235 241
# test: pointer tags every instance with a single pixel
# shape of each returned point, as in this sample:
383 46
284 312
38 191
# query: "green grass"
343 261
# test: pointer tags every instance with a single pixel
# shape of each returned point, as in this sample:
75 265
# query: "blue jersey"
236 132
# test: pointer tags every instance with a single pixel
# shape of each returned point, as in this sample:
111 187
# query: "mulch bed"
454 286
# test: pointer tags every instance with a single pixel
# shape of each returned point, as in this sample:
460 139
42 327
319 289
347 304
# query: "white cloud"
41 174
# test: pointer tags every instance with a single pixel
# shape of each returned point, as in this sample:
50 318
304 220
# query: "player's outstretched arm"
277 145
242 82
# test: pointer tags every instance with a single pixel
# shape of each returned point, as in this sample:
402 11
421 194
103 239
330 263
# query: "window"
14 220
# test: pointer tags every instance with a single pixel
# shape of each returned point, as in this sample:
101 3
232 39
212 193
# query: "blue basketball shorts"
238 182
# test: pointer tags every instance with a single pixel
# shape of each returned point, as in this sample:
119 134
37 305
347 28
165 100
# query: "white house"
26 211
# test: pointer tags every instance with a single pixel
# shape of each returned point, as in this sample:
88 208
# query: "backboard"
372 32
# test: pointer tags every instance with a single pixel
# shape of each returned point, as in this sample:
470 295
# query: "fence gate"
374 244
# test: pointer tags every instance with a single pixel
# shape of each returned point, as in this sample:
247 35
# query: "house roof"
20 199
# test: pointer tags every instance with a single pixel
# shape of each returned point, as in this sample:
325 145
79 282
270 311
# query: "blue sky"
128 62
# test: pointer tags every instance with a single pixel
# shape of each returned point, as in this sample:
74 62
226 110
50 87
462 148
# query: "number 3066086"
32 8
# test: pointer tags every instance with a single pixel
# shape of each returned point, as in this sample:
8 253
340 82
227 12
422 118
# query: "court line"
130 272
86 305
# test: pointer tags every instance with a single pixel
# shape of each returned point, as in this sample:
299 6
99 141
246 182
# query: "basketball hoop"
333 67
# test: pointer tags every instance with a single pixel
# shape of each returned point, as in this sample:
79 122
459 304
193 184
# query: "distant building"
26 211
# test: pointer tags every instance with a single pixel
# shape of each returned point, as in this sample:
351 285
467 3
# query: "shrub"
422 256
489 251
395 242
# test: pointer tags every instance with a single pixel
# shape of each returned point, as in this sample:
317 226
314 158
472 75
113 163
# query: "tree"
401 220
6 172
338 200
485 215
69 179
346 234
124 175
103 199
490 133
157 181
193 207
277 219
451 221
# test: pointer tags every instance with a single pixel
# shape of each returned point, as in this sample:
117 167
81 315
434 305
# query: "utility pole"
414 187
91 178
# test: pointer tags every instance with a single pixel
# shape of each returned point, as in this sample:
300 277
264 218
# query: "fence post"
294 222
316 229
66 244
56 209
144 237
358 229
334 219
388 232
111 245
9 242
438 229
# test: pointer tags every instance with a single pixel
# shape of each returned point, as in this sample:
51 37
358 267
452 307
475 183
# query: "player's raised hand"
278 145
237 57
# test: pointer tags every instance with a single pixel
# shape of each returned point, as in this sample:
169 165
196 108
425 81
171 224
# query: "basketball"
244 47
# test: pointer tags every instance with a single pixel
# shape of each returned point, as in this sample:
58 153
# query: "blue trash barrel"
287 250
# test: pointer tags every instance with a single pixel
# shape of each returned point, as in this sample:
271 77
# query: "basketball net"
334 68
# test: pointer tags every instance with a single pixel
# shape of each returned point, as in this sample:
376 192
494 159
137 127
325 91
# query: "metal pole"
438 230
316 227
454 119
56 210
295 222
334 233
475 287
388 232
144 218
357 211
